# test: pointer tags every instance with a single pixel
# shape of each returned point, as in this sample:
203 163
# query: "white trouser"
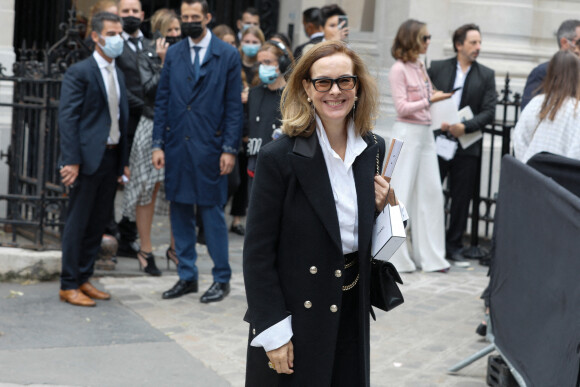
417 183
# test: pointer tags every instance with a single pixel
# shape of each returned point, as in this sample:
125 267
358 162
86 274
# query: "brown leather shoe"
93 292
75 297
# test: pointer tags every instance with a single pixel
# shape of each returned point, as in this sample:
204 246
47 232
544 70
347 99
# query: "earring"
354 107
308 99
355 98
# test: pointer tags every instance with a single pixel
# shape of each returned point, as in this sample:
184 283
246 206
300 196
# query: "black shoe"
216 292
238 229
171 255
458 260
150 268
128 249
180 288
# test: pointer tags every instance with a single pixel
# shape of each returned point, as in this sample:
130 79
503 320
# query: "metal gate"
36 200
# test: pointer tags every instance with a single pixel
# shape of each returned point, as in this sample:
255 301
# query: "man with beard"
132 15
196 136
475 87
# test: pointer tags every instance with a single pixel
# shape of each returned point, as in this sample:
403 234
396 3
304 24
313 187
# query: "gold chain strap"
348 287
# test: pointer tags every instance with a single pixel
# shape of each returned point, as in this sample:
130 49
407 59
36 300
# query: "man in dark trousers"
475 87
312 29
134 42
568 37
92 122
197 131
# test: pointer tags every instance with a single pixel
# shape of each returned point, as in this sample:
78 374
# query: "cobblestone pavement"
413 345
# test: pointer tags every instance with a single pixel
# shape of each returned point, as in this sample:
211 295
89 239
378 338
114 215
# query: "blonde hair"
162 19
99 6
222 30
297 112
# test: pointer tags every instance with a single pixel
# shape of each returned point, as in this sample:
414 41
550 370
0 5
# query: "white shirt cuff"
404 214
275 336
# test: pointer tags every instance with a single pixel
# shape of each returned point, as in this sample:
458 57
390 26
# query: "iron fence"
36 200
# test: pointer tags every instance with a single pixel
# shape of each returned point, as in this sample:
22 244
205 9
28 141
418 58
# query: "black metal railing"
498 133
36 200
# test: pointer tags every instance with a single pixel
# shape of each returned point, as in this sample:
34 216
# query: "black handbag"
385 293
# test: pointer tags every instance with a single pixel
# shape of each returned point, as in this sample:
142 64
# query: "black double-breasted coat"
292 252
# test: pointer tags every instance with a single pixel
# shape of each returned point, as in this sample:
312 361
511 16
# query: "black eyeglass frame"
426 38
333 81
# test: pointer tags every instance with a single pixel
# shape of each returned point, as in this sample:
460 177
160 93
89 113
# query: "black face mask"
172 39
192 29
131 24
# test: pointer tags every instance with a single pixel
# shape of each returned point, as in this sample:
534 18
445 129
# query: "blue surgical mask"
113 46
250 50
245 27
268 74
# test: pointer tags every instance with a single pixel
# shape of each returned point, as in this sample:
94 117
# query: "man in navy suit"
92 122
568 37
197 131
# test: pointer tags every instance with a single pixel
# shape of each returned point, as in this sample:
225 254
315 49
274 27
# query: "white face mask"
113 46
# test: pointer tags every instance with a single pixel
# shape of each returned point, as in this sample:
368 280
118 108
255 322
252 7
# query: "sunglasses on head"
426 38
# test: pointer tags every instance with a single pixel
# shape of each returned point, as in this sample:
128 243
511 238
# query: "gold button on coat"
307 304
313 270
337 273
254 331
333 308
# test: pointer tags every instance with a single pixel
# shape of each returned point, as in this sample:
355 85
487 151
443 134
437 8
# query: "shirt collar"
316 35
355 145
204 43
126 36
460 69
102 62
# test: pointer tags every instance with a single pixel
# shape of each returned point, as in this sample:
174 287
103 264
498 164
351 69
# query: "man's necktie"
196 62
135 42
113 99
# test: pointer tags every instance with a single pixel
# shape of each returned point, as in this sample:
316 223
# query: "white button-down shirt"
102 63
342 182
460 77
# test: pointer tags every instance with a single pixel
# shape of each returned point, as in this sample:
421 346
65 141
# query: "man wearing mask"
475 87
568 37
250 17
134 42
92 122
312 29
196 136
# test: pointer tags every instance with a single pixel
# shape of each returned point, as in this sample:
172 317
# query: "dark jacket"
149 66
293 225
478 93
300 49
128 63
534 83
263 117
198 120
84 121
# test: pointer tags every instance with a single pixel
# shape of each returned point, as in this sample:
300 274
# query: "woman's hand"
383 193
282 358
161 47
439 96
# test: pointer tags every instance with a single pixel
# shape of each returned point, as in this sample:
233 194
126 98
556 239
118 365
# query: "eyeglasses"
426 38
346 82
573 43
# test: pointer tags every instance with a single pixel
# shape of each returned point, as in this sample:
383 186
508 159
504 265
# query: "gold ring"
271 365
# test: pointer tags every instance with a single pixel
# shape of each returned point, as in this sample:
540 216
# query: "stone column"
7 58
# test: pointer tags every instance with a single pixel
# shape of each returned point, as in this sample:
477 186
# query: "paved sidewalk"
138 339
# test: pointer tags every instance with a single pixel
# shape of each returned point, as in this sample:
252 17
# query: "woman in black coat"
307 247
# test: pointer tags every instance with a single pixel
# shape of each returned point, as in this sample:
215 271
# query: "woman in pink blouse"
417 174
